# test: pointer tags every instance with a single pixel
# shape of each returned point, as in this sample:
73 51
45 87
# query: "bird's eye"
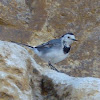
68 37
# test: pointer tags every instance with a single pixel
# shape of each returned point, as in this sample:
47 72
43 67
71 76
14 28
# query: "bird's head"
68 39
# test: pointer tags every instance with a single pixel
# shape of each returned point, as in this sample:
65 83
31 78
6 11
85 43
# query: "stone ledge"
21 78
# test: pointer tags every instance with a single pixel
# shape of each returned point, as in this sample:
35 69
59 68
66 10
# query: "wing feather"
52 44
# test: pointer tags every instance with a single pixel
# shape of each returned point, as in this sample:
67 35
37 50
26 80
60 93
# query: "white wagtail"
54 50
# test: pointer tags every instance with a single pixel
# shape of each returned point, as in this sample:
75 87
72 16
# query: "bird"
55 50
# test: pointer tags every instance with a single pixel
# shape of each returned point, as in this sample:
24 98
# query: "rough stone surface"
17 81
21 78
63 87
14 74
37 21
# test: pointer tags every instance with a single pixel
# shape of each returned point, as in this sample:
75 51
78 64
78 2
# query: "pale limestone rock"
72 88
16 68
21 78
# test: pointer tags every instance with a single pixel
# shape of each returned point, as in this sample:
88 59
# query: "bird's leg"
52 67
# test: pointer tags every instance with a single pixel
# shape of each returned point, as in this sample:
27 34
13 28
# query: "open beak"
74 40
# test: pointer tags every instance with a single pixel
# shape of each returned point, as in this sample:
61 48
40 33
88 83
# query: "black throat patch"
66 49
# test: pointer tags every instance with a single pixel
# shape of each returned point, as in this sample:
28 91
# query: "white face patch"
68 39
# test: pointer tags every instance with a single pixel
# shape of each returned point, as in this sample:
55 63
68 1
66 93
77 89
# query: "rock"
64 87
16 68
36 21
21 78
14 20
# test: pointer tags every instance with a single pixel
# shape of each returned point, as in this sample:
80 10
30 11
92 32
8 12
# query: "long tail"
22 44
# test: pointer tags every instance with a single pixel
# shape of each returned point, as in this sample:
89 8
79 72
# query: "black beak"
74 40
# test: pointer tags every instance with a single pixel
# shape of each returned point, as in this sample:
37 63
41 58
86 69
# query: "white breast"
54 56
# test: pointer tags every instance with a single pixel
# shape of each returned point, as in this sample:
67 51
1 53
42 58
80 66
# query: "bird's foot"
53 68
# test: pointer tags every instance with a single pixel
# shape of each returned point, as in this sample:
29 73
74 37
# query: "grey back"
50 45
